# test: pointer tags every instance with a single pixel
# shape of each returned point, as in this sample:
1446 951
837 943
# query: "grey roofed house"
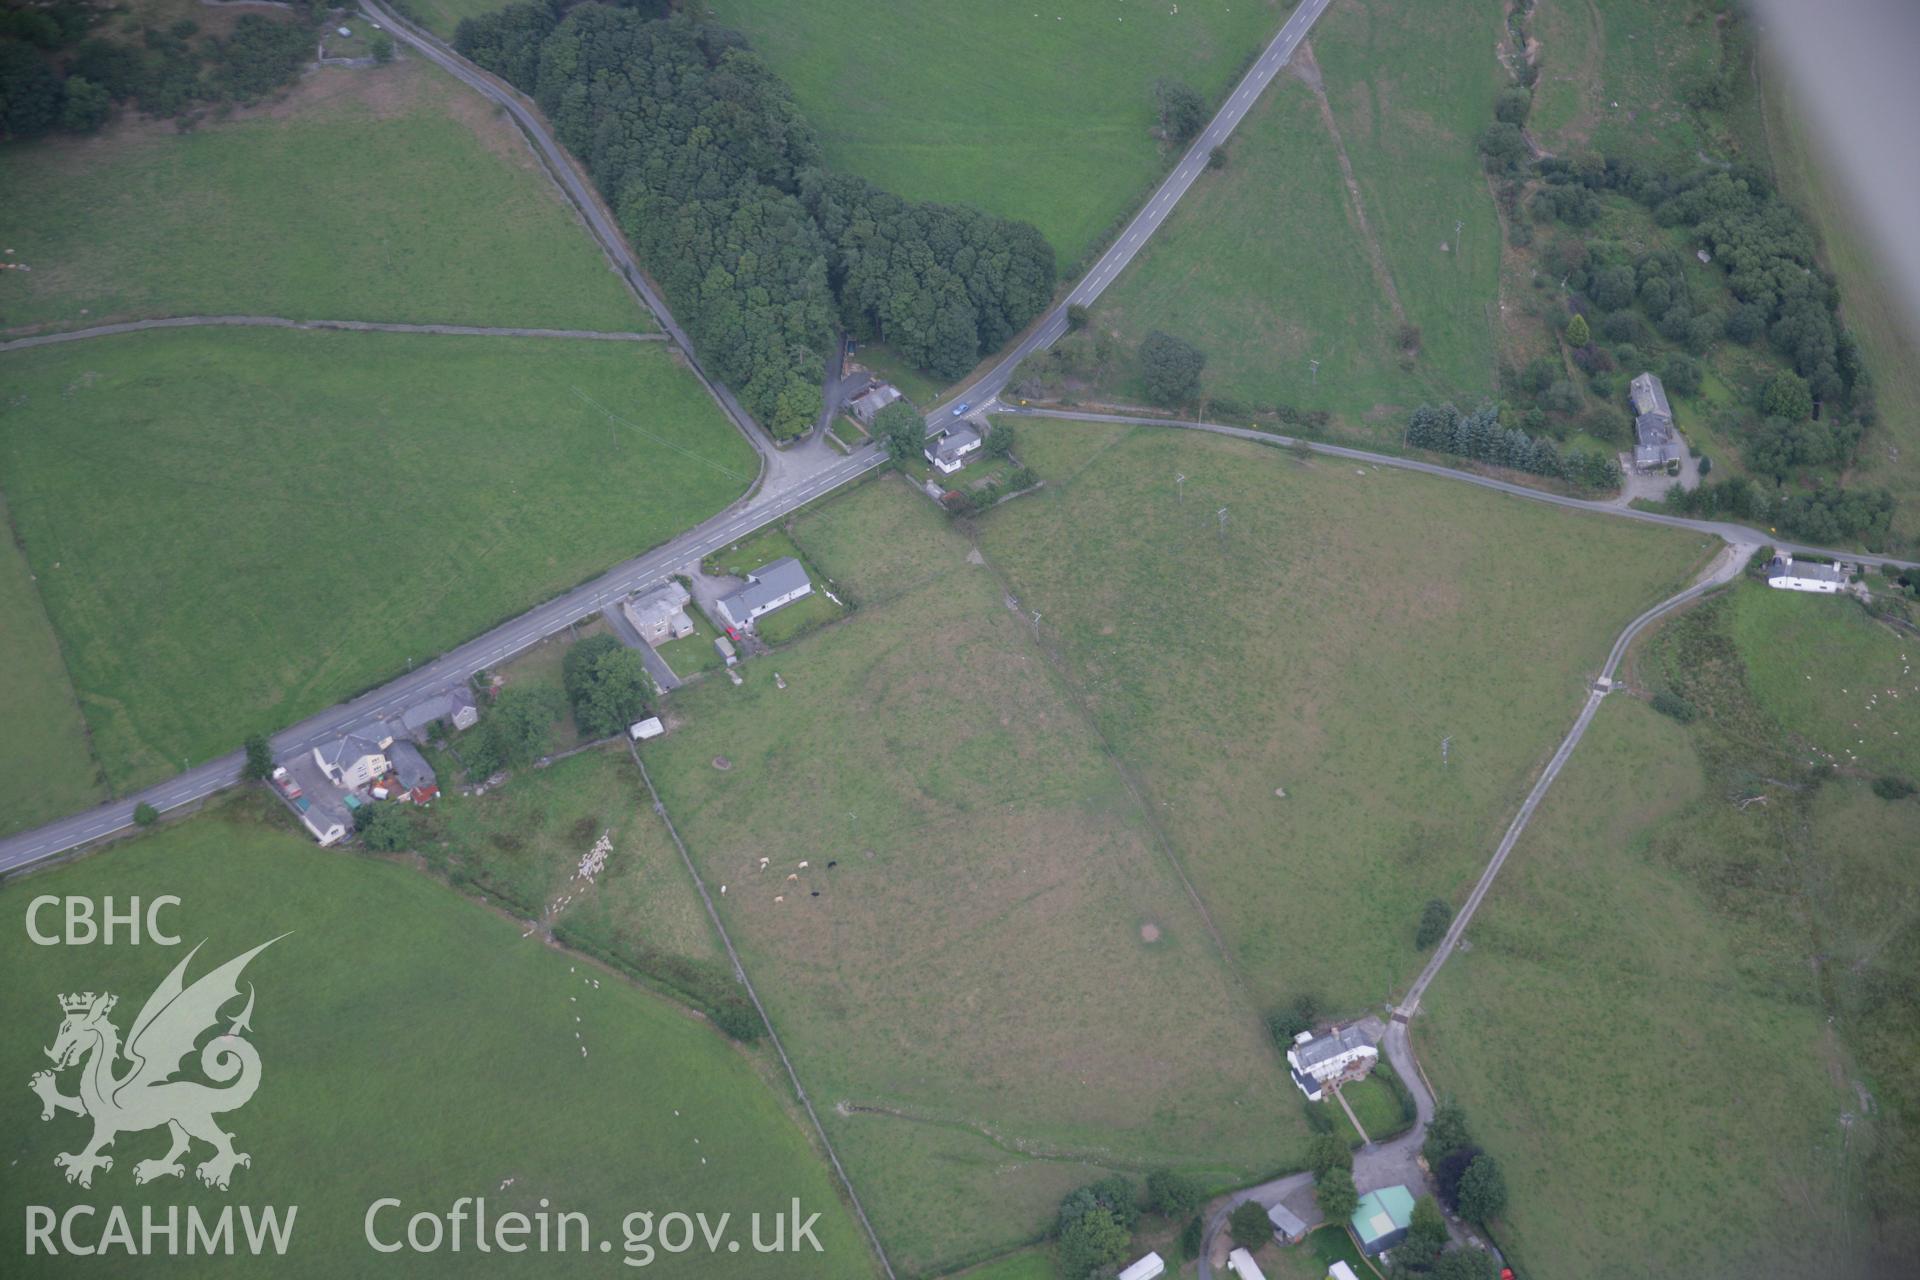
661 614
454 705
1655 441
411 767
868 404
1331 1045
347 750
773 584
1809 570
1649 395
954 443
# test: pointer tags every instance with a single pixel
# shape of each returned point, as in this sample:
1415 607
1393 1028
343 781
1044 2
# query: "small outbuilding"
454 704
641 730
871 400
1383 1219
1147 1268
1287 1226
1341 1271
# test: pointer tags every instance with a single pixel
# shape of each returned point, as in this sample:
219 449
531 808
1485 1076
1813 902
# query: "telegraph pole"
1223 526
1313 372
1444 744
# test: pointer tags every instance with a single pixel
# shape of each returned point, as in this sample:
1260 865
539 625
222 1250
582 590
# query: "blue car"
961 408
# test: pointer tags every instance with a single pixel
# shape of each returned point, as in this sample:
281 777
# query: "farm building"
1287 1226
1784 573
1337 1055
1341 1271
877 396
1383 1218
641 730
773 584
327 830
353 760
1655 442
1241 1263
660 615
1147 1268
454 704
948 451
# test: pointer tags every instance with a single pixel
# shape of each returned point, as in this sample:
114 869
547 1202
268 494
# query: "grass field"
388 194
46 767
1344 627
442 16
1001 988
1039 115
1271 264
233 529
414 1046
1613 75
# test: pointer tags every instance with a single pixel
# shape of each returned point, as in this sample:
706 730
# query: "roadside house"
948 451
1784 573
454 704
353 760
875 397
776 583
1655 442
660 615
1340 1054
327 830
1383 1219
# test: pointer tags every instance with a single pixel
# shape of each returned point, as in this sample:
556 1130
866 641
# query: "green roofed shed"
1382 1219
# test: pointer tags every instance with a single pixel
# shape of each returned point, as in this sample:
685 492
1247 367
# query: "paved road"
353 326
781 468
1727 532
489 650
1111 263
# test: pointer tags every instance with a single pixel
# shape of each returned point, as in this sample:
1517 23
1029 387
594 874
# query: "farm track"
349 326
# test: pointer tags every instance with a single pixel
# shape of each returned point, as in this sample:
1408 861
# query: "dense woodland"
716 180
65 66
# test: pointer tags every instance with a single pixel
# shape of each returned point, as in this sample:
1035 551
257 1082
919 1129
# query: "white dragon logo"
146 1096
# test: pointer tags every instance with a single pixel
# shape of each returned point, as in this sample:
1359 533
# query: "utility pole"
1036 624
1444 744
1457 224
1313 372
1180 484
1223 527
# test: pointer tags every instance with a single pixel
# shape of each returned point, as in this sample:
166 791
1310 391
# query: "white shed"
1241 1263
641 730
1146 1268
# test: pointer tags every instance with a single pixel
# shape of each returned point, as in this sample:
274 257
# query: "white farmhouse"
1335 1056
773 584
1787 574
353 760
948 451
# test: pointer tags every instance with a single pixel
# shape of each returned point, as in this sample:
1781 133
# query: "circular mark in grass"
722 763
1149 933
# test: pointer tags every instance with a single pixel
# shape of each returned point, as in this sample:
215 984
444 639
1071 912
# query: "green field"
1002 988
388 195
1267 265
46 767
1613 75
1346 624
1039 115
442 16
1749 923
233 529
415 1047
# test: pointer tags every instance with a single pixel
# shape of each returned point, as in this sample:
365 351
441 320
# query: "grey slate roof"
346 750
1813 571
770 581
1285 1222
436 706
949 445
411 766
1649 395
1331 1045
